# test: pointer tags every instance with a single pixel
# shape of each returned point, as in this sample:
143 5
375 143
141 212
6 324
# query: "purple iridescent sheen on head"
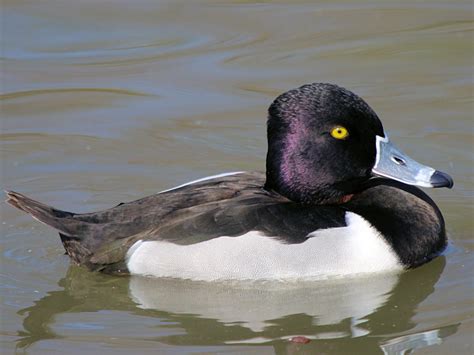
306 164
290 169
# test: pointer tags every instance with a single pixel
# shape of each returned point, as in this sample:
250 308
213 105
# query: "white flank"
203 179
357 248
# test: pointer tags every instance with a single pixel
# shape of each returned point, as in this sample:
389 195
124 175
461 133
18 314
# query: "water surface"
109 101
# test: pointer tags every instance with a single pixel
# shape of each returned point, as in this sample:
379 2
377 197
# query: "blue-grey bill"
390 162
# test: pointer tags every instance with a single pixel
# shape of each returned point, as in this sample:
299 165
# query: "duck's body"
230 227
292 222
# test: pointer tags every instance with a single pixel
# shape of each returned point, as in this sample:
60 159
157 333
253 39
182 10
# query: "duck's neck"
304 189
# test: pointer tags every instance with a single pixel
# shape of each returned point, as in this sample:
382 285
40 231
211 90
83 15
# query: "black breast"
408 219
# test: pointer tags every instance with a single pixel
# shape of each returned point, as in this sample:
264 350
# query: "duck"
338 198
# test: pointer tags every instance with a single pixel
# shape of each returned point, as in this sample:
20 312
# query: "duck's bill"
392 163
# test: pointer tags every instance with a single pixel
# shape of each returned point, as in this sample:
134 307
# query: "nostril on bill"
398 160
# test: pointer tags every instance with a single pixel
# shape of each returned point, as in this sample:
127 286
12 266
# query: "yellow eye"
339 132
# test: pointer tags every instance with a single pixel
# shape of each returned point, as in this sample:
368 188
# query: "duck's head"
325 143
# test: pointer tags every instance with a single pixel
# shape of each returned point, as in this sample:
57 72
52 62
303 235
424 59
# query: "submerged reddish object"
300 340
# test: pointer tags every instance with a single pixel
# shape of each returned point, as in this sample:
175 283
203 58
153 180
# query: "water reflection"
360 315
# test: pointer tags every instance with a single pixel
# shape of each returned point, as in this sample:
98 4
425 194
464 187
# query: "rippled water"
109 101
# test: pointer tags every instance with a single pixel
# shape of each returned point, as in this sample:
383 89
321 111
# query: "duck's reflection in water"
359 315
260 305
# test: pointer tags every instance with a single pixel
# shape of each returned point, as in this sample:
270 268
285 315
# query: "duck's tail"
60 220
78 234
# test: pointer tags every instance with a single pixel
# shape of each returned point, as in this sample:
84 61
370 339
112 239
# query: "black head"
321 143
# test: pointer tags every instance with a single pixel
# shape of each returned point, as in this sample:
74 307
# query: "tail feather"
48 215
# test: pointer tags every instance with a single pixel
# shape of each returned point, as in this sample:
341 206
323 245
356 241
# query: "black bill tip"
440 179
